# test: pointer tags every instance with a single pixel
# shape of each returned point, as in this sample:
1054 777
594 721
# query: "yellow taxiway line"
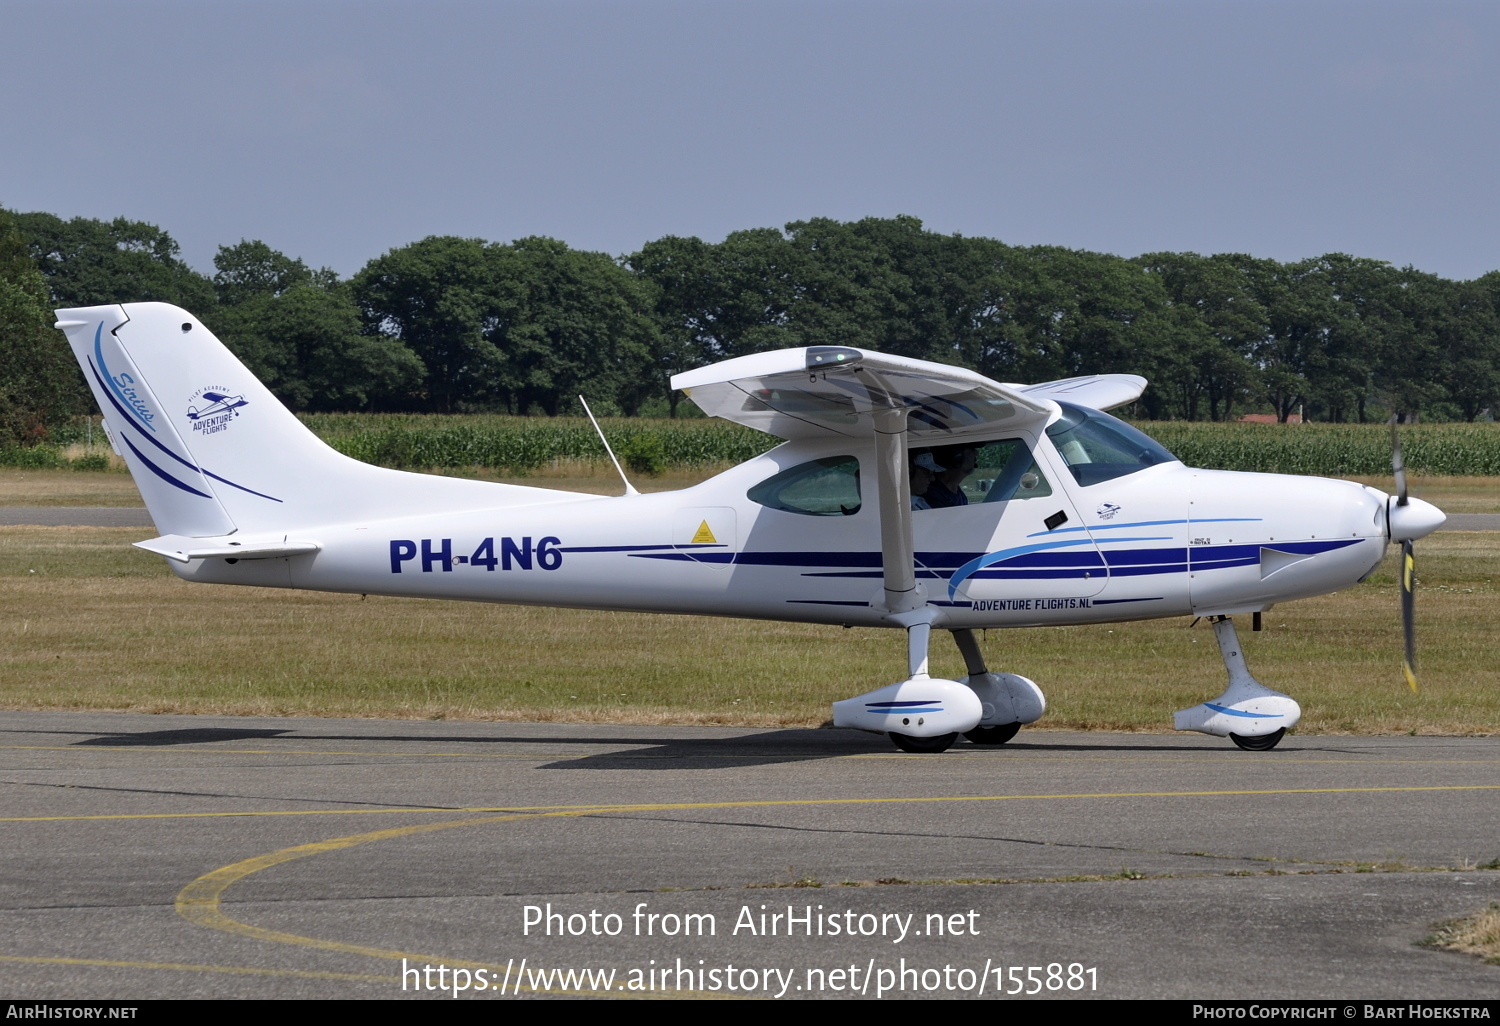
758 803
201 902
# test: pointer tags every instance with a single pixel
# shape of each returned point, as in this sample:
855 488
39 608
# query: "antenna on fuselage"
629 488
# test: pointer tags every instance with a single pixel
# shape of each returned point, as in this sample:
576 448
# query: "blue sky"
335 131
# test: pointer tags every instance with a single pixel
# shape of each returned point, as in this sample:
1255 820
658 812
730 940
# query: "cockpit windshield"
1097 447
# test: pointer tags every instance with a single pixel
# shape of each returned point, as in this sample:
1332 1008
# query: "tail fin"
214 452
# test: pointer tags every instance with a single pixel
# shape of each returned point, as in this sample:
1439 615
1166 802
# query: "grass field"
67 488
54 487
63 487
1450 494
91 623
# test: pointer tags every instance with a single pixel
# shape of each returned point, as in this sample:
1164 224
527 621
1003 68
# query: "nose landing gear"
1263 743
1248 713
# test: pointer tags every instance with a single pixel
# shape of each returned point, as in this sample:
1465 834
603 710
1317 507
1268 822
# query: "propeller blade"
1409 611
1398 467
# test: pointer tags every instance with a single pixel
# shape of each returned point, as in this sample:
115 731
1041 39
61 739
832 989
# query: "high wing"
812 392
1096 391
803 393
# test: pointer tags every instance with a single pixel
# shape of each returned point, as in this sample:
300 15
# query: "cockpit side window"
1005 471
1097 447
1002 470
827 487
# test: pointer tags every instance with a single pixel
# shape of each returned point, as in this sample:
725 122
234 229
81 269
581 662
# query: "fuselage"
794 535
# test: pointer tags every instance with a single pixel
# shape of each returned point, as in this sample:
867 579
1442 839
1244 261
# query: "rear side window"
828 487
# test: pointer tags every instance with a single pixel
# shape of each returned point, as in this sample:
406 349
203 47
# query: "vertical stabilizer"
214 452
178 492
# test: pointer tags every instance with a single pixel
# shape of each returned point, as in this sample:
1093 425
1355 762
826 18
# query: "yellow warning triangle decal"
704 535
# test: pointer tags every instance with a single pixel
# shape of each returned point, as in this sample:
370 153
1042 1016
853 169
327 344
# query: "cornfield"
526 443
1331 450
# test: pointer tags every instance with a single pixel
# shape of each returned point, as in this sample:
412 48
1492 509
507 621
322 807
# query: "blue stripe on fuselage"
1046 561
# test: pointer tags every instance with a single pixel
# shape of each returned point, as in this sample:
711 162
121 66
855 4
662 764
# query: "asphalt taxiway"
165 856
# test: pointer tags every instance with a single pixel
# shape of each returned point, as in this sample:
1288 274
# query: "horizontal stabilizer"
182 549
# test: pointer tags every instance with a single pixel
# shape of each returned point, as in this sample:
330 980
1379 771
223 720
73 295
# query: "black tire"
993 735
924 745
1262 743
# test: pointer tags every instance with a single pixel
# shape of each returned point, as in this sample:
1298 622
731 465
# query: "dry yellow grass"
66 488
1478 934
115 488
91 623
1450 494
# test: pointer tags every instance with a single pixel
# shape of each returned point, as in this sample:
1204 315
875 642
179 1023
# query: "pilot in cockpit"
957 461
923 470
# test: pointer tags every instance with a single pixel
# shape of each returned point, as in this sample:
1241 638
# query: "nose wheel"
1263 743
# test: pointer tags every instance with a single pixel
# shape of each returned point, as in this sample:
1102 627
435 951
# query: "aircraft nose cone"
1417 519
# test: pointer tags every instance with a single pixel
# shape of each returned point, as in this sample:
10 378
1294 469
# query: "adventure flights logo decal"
212 408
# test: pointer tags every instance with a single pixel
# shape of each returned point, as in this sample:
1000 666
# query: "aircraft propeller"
1406 520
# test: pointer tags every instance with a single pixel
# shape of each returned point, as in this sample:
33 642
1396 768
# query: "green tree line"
454 325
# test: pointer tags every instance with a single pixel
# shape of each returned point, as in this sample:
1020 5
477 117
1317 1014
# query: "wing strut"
920 713
893 501
905 601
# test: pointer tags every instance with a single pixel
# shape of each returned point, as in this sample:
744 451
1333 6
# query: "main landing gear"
989 736
1007 701
1248 713
926 714
993 735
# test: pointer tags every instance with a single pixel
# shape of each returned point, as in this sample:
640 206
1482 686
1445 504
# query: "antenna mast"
629 488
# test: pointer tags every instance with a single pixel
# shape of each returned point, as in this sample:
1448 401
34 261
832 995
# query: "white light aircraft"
1064 515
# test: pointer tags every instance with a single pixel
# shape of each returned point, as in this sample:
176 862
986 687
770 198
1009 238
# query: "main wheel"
928 745
1262 743
993 735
